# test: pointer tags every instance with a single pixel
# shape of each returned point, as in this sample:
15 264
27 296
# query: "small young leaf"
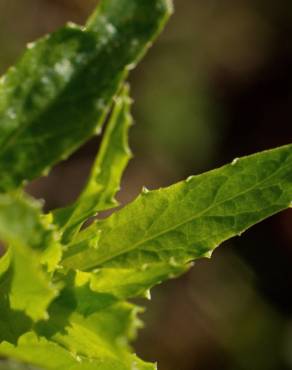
23 280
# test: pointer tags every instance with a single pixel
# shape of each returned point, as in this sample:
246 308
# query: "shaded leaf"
58 94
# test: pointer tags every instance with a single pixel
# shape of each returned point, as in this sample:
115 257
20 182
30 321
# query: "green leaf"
85 330
21 221
73 341
59 93
188 220
24 283
51 356
115 281
105 178
131 282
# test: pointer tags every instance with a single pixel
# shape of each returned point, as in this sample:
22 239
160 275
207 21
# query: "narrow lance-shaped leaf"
58 94
105 178
188 220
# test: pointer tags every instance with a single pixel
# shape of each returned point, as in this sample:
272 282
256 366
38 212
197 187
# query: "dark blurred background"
217 85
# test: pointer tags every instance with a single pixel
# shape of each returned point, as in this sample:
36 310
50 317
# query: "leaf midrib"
165 231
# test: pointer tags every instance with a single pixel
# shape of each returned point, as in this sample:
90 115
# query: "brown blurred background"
217 85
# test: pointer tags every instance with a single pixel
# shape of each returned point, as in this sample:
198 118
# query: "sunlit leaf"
104 181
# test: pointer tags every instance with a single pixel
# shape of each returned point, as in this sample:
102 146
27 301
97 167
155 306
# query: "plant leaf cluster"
64 286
